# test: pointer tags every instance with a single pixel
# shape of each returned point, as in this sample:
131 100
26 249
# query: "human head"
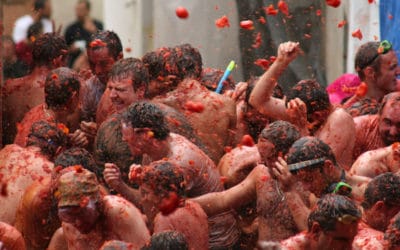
315 98
167 240
276 139
43 7
189 61
381 200
62 89
210 78
77 156
142 122
376 64
392 233
49 50
103 50
163 70
79 199
127 83
34 31
319 176
333 221
162 186
389 118
48 137
82 9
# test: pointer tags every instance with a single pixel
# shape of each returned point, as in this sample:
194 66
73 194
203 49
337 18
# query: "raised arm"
261 96
237 196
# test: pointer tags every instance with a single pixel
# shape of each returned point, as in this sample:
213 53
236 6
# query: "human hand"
287 52
89 128
112 176
297 112
134 171
78 138
239 92
282 173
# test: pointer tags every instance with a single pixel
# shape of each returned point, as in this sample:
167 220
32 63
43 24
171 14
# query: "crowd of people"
142 153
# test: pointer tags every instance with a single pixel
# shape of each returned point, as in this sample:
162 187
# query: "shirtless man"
103 50
128 82
90 218
391 234
313 164
36 217
22 94
380 130
61 90
380 205
20 167
378 161
377 66
212 116
146 132
163 191
312 111
332 224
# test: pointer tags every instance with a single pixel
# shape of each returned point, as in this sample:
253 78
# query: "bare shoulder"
116 206
341 115
297 242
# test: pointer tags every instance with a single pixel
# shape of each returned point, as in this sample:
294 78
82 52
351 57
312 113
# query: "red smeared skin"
196 107
97 43
170 204
357 34
222 22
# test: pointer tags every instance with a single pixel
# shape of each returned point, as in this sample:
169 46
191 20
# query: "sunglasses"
347 219
384 47
295 167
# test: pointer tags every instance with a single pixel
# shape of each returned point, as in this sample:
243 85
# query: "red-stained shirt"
189 220
36 114
367 135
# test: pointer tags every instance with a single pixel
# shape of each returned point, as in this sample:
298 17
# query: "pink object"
344 86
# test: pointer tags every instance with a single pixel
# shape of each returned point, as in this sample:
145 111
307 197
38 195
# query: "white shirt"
22 24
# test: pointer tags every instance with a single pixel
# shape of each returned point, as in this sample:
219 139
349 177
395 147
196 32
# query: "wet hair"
147 115
77 156
167 240
393 97
312 94
133 69
393 231
282 134
384 187
310 148
48 47
111 40
35 30
60 85
161 63
210 78
39 4
329 209
163 177
47 136
363 57
189 61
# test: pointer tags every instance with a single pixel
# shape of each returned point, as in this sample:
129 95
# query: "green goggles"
342 188
384 47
